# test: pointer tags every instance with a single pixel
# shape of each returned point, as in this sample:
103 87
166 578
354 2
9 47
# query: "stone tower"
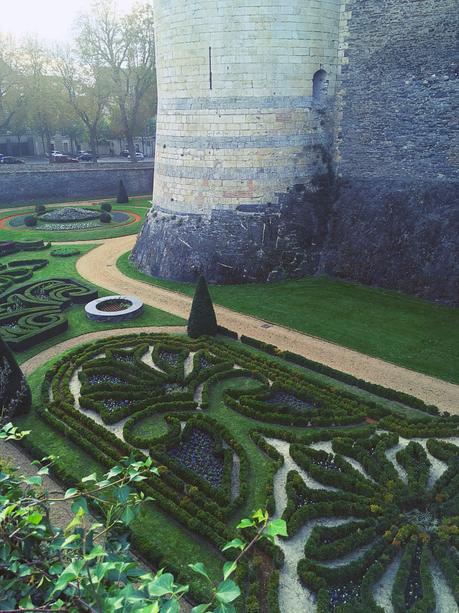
244 130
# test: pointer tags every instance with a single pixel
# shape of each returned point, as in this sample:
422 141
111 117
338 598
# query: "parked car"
138 154
8 159
59 158
87 156
124 153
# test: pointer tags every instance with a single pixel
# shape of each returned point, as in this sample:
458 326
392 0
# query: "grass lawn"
136 205
78 322
382 323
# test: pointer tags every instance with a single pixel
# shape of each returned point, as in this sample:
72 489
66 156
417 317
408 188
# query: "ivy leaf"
225 608
80 503
228 569
91 477
201 608
260 516
201 569
171 606
34 480
161 585
122 493
70 492
70 539
245 523
277 527
114 472
35 518
227 591
236 543
97 552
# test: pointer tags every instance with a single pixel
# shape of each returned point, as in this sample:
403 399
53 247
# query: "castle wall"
238 126
245 151
396 223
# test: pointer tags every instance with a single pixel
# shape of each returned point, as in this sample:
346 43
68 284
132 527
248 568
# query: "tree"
202 320
87 566
11 82
125 46
87 91
15 394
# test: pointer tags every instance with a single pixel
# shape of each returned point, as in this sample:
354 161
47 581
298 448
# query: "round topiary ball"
105 217
40 209
106 206
30 221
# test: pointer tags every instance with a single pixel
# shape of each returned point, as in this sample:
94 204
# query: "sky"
49 20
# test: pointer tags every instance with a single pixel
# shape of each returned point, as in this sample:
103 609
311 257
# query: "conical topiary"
202 320
122 194
15 396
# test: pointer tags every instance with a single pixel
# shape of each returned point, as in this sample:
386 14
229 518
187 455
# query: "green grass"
78 322
382 323
136 205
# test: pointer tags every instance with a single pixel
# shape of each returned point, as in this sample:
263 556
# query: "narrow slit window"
210 67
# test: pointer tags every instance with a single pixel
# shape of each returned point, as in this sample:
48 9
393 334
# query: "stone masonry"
280 122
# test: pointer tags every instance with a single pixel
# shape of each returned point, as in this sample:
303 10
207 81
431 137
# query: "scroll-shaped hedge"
33 313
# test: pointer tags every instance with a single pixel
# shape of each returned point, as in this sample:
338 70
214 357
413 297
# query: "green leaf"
201 569
70 492
228 569
35 518
161 585
171 606
236 543
114 472
34 480
277 527
91 477
80 504
225 608
97 552
260 516
245 523
70 539
227 591
201 608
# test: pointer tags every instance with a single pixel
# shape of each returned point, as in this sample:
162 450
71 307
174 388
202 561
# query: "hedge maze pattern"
224 422
33 312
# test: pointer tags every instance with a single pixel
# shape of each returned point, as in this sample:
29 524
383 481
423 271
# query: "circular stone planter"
114 308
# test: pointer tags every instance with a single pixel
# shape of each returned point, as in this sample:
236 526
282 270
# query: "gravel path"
31 365
99 267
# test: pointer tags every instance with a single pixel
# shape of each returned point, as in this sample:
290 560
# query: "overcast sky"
48 19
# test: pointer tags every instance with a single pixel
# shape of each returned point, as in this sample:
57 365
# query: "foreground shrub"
30 221
15 394
106 206
40 209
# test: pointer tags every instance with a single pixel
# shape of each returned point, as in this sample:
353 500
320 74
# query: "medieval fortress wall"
263 103
235 122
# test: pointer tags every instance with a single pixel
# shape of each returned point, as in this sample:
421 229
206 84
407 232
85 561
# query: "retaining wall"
32 183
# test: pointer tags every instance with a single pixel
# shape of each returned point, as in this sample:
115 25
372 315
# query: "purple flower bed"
98 379
344 594
197 454
288 400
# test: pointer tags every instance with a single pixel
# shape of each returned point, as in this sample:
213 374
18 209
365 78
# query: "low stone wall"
32 183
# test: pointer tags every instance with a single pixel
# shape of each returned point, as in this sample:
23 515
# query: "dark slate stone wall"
400 89
253 243
32 183
396 223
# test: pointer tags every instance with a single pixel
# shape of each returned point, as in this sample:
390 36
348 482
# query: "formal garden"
90 221
355 486
369 495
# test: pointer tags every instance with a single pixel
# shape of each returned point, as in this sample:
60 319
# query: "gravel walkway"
38 360
99 267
